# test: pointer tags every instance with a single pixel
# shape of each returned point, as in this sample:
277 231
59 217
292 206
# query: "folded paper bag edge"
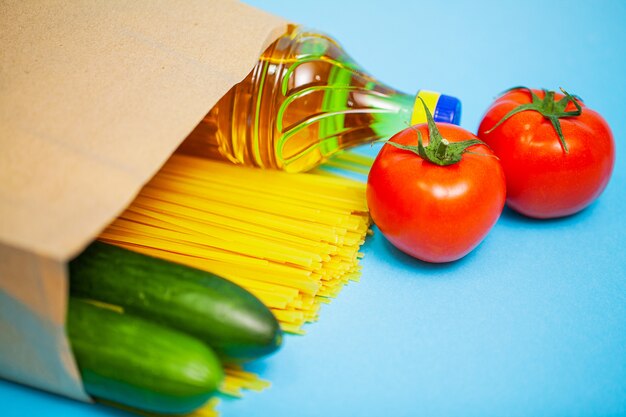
74 158
96 96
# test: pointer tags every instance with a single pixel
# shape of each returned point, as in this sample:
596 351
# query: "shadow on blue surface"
28 400
260 366
510 217
430 269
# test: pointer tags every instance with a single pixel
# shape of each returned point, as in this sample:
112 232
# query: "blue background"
533 322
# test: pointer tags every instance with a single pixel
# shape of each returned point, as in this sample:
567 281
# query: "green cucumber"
236 324
143 365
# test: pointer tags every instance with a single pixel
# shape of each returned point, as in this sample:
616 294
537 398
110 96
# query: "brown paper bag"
94 97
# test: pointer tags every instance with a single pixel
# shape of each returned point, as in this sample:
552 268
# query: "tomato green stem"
548 107
439 151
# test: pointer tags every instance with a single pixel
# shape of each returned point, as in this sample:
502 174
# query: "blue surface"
533 322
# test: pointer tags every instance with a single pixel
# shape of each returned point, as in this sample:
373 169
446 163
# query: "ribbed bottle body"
304 101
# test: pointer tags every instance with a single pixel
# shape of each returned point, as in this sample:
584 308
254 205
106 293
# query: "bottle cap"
448 110
444 108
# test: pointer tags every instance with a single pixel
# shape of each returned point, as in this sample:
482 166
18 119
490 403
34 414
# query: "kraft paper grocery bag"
94 97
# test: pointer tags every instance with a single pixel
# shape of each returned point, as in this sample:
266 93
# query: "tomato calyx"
439 150
548 108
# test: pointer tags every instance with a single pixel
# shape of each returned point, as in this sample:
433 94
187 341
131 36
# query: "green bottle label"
334 103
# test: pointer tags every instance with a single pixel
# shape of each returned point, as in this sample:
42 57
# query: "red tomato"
435 213
546 177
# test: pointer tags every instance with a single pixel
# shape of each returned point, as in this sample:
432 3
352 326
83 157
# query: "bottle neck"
406 110
395 112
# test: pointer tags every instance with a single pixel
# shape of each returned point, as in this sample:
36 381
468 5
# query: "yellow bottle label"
430 98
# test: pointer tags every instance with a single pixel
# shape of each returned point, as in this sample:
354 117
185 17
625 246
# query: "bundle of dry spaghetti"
290 239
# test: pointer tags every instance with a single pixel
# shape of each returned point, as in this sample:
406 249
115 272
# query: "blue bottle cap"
448 110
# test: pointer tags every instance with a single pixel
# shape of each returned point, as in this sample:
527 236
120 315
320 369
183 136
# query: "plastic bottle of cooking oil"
304 101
